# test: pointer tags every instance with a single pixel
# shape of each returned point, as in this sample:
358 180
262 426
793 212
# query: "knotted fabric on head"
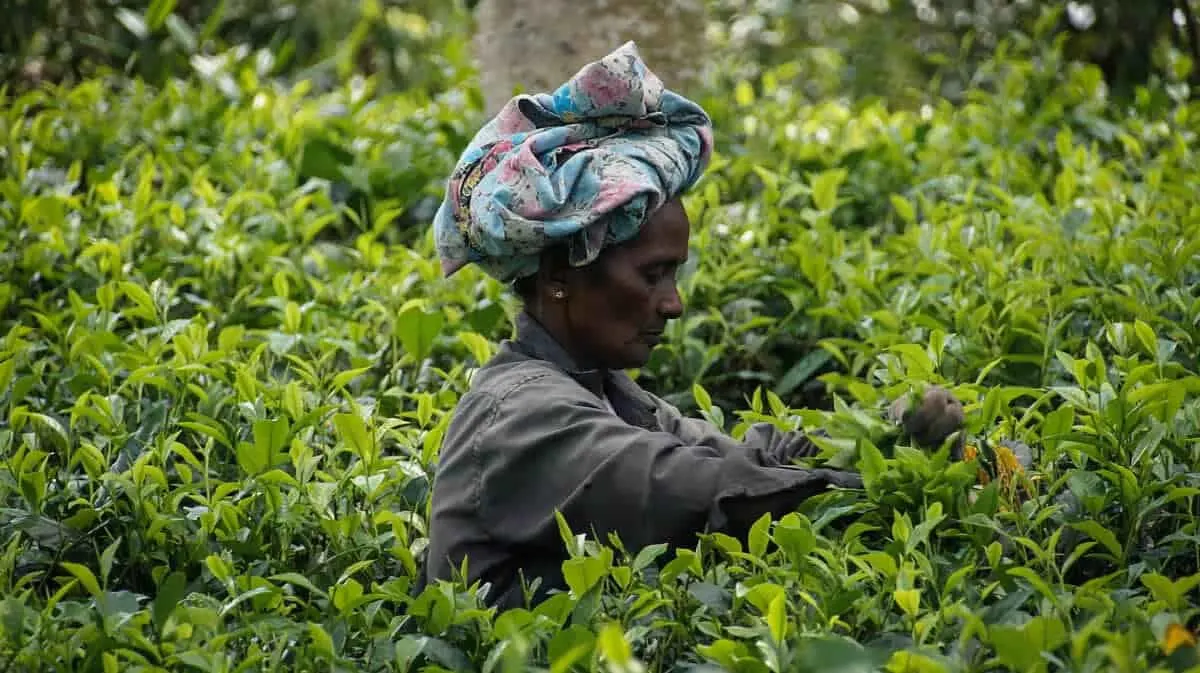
584 166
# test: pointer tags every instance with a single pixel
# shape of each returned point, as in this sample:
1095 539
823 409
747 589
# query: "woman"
574 198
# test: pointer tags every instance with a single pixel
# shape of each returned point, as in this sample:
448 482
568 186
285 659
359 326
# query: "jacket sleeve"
545 448
771 445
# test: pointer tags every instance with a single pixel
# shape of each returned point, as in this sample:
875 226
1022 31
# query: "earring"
559 293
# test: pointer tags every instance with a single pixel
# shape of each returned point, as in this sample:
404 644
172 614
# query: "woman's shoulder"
514 397
511 373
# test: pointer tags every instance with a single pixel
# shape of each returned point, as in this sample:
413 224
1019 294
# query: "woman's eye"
653 276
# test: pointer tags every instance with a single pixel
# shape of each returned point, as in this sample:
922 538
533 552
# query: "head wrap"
585 166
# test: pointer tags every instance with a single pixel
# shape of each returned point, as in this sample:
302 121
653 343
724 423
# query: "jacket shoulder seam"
508 384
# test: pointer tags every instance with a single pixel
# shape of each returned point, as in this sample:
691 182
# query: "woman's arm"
543 448
770 445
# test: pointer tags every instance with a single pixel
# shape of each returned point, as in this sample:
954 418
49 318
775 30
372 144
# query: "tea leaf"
760 536
418 330
354 433
584 573
903 208
909 600
107 557
270 440
253 458
166 601
342 379
615 649
85 577
825 187
777 619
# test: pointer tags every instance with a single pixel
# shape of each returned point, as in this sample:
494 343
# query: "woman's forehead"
663 239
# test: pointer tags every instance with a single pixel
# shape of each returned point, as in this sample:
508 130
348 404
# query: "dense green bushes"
406 43
222 393
852 48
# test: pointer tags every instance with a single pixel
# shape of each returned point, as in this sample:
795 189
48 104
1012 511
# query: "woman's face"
615 310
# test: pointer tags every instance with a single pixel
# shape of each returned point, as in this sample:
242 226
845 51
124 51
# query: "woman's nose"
671 306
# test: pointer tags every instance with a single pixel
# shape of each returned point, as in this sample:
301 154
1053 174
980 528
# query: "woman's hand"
939 415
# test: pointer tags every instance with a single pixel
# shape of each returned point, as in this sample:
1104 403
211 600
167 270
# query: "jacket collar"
535 341
626 396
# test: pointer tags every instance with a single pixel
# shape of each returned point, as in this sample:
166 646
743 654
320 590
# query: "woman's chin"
635 355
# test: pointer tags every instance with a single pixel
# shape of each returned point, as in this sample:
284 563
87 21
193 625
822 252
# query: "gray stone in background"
538 44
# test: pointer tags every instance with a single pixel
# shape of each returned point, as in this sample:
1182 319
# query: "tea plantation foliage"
223 383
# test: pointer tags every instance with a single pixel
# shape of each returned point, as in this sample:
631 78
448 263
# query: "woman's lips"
652 338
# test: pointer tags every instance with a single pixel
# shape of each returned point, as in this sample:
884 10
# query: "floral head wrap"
585 166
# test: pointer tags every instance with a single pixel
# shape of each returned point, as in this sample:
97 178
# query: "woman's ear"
554 275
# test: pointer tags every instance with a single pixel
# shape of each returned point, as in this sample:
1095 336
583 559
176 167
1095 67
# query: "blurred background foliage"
893 49
408 45
856 49
825 57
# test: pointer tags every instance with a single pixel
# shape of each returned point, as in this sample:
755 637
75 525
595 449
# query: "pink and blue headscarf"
584 166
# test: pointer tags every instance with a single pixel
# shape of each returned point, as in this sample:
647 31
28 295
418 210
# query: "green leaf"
418 330
1031 576
85 577
244 597
881 562
871 465
133 22
299 580
614 647
1102 535
346 377
648 555
1149 442
346 594
271 441
324 159
777 618
904 209
795 537
1021 647
143 303
106 560
13 616
1146 337
252 458
825 187
323 643
480 348
957 579
569 645
1089 488
1057 424
353 432
204 428
703 401
157 13
7 367
833 654
724 652
909 600
181 33
743 93
48 426
170 592
761 596
1171 592
802 371
583 573
759 536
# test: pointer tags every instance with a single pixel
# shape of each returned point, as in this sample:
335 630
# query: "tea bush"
228 357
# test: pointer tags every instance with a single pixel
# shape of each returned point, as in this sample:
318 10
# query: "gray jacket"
534 435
